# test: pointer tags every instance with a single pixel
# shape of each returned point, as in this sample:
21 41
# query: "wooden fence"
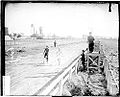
112 85
55 85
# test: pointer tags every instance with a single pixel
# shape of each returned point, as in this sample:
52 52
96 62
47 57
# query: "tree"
14 36
10 35
19 35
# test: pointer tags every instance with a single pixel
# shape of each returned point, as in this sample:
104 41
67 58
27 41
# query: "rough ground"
78 86
27 71
97 85
112 55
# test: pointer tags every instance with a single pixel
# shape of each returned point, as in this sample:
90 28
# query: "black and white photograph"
61 49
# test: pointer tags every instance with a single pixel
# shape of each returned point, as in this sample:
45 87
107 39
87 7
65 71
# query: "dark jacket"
46 50
90 39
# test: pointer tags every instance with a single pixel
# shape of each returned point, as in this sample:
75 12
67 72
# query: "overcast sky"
63 19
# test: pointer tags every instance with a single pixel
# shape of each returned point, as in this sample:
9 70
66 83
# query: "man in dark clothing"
83 60
90 42
55 43
46 53
82 67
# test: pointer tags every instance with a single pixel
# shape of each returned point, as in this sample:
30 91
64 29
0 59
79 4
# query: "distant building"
41 34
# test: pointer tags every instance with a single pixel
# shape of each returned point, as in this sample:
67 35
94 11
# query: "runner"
46 50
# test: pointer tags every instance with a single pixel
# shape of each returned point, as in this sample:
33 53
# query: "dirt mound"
82 85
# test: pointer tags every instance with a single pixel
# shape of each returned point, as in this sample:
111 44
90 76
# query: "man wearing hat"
46 50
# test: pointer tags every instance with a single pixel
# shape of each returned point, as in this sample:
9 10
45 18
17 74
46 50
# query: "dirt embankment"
81 85
112 54
97 84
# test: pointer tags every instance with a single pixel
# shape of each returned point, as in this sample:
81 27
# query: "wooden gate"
93 59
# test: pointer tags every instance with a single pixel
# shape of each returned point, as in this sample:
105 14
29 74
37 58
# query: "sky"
63 19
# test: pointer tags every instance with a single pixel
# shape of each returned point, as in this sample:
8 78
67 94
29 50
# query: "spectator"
55 43
83 59
90 42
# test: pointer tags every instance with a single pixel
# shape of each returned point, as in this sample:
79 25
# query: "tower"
32 29
41 34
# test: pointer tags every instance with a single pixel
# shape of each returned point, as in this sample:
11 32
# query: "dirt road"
28 73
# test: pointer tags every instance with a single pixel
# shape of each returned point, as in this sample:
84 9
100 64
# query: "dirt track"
28 73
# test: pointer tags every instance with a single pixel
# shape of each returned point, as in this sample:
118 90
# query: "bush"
76 91
39 37
18 36
88 92
33 35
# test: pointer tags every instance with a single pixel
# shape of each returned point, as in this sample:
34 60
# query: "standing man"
83 59
90 42
46 50
55 43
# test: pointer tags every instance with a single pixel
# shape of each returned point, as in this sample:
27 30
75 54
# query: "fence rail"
111 82
55 85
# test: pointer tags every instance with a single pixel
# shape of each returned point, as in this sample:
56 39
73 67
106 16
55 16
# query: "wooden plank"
65 79
54 90
61 87
70 74
99 63
87 64
73 69
93 61
93 54
115 83
6 85
93 67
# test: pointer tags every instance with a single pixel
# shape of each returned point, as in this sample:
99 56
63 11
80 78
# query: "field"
110 45
26 69
111 50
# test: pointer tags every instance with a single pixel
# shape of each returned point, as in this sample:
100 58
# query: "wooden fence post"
6 85
70 74
61 87
87 63
99 63
76 66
